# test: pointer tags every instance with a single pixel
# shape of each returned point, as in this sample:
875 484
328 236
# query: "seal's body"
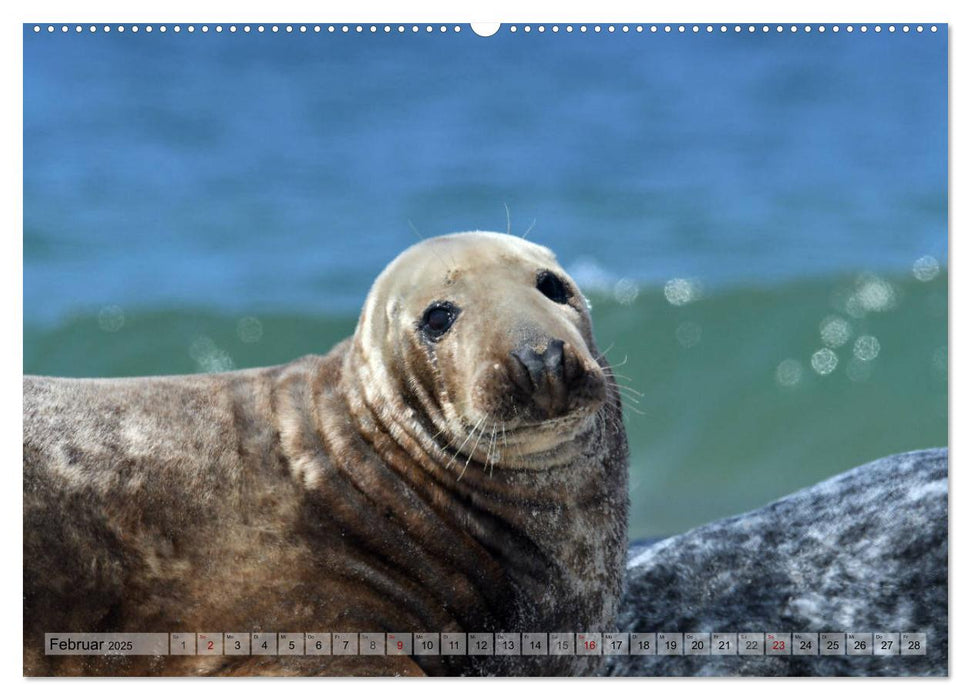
459 464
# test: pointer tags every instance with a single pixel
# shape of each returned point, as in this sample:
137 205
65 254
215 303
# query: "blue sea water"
178 187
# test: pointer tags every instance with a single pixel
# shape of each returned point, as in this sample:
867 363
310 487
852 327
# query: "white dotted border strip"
249 28
512 29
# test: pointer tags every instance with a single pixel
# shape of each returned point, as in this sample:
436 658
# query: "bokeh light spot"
626 291
208 356
866 348
688 334
681 291
249 329
835 331
111 318
824 361
926 268
858 370
789 372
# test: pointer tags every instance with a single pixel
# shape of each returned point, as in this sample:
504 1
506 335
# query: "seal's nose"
547 376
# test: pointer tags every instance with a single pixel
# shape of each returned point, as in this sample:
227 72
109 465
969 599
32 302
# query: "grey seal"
459 464
864 551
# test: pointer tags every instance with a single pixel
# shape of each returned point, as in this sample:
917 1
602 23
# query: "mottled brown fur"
346 492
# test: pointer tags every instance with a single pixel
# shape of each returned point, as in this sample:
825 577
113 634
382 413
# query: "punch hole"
485 28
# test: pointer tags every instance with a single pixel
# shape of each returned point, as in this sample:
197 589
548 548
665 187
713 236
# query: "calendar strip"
487 644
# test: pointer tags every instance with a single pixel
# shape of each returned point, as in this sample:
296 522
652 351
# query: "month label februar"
106 644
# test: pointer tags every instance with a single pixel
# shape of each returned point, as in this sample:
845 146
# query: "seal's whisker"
526 233
627 388
508 219
474 447
604 353
492 455
414 230
620 364
467 438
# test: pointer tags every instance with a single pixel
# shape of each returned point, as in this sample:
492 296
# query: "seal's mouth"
553 386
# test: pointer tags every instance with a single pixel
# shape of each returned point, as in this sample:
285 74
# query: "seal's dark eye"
552 287
438 318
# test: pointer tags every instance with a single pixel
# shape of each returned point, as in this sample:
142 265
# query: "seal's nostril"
532 362
553 358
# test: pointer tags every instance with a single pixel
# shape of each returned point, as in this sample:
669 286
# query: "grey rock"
865 551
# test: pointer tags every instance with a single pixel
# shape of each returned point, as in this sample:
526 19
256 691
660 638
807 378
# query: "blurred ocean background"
759 220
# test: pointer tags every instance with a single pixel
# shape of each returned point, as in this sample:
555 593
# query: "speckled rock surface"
865 551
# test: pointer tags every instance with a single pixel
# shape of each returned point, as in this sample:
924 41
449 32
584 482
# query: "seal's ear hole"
552 287
437 319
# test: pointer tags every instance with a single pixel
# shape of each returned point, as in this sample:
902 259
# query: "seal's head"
481 331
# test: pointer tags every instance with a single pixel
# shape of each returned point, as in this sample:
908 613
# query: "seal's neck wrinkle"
375 402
